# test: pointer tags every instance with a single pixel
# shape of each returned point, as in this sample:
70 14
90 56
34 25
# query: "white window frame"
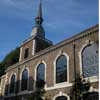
61 94
33 47
92 78
21 78
13 73
20 57
57 85
40 62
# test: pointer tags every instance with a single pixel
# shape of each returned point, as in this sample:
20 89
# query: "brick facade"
39 50
48 56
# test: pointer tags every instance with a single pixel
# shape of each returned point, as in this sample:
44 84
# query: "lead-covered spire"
39 18
40 10
38 30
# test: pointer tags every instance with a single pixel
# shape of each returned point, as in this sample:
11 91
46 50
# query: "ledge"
62 85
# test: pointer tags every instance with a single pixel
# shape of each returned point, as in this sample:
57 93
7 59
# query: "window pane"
12 84
90 60
26 53
24 80
61 69
41 72
61 98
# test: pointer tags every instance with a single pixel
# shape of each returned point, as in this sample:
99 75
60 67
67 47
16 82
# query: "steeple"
37 41
39 18
38 30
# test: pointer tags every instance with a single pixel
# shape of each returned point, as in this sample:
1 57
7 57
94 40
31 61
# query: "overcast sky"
62 19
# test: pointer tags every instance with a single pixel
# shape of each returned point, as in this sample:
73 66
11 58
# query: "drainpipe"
18 84
74 47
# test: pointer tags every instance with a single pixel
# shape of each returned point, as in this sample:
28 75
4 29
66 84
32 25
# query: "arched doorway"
61 98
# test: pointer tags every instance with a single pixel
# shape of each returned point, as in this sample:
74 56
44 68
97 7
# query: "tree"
10 59
2 69
80 87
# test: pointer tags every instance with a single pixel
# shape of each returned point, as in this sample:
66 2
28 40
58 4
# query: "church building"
56 65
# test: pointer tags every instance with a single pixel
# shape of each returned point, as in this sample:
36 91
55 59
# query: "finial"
38 30
39 18
40 9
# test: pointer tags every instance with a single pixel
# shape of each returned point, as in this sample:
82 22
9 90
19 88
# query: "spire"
39 18
40 10
38 30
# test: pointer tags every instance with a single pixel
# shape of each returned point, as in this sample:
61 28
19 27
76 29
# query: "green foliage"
10 59
2 69
80 87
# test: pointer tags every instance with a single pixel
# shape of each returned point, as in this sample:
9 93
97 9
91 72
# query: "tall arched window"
12 84
61 69
40 78
61 98
24 81
41 72
90 60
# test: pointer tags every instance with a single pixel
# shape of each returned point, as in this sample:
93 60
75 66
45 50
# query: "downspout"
74 53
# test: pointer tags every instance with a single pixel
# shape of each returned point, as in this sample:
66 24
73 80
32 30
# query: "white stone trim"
2 85
25 92
61 94
20 54
21 76
80 52
63 83
33 48
61 86
92 78
13 73
42 61
7 78
92 89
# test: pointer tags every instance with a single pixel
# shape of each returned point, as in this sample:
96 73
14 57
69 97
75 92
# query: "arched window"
12 84
40 78
24 81
61 69
61 98
90 60
41 72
